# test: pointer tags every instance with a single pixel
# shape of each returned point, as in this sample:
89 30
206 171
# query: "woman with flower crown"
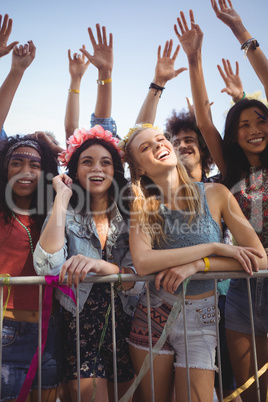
87 233
176 232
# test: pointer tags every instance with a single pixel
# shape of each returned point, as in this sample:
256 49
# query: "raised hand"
102 58
5 31
164 70
23 56
233 83
226 13
77 64
62 184
190 39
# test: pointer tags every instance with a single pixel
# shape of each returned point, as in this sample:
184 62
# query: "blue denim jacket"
81 237
107 123
3 135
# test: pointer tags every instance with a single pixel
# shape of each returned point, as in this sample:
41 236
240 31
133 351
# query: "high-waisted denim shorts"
201 332
237 316
20 341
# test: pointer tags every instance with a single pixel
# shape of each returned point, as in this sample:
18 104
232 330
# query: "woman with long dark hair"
27 167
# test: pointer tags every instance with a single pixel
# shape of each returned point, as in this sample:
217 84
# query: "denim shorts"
20 341
237 317
201 332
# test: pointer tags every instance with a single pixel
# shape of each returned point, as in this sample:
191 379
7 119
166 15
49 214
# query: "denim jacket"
81 237
107 123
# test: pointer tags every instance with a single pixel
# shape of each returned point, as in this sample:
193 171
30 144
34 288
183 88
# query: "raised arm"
191 42
102 59
77 68
226 13
5 31
22 57
164 71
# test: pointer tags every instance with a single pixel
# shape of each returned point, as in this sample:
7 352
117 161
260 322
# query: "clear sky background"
138 28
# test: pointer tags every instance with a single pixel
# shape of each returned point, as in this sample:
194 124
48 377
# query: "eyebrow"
91 157
184 138
145 142
31 158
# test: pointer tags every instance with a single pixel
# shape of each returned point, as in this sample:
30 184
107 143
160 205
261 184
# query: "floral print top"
252 195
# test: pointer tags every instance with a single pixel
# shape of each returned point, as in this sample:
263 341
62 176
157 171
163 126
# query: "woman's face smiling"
95 170
252 133
153 153
24 170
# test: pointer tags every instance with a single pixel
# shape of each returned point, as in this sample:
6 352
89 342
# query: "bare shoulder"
216 191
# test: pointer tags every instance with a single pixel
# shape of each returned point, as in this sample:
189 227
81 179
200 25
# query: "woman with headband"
26 166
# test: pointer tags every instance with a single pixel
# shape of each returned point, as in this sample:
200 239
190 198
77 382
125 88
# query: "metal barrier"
112 279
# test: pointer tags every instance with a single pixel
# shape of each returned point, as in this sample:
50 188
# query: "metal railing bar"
150 342
40 345
114 344
78 345
253 340
218 341
1 331
186 345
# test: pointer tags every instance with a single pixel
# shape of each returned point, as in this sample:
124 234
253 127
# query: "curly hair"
49 168
119 178
237 164
185 121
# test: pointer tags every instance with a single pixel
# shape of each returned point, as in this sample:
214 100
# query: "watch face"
100 82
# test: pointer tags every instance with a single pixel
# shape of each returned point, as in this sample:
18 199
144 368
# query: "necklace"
27 230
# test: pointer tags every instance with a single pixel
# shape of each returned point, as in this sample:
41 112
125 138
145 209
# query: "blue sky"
138 28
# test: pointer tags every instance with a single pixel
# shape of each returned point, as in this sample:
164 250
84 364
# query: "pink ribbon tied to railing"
52 282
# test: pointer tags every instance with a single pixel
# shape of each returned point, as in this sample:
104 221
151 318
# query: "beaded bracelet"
157 87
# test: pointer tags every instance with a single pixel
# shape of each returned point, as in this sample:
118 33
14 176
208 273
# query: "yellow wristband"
76 91
207 264
102 82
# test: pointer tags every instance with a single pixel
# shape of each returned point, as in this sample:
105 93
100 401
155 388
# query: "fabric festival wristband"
207 264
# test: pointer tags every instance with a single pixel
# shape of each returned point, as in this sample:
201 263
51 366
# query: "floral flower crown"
80 136
131 131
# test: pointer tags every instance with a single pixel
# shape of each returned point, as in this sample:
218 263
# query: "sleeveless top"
202 229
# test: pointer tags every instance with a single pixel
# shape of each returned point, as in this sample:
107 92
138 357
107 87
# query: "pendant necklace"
28 232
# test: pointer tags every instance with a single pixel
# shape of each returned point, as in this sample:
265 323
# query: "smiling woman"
25 166
92 240
175 232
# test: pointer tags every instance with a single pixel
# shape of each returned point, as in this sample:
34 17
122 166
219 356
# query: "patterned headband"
80 136
22 143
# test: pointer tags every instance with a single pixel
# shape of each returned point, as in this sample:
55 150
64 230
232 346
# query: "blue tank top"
202 229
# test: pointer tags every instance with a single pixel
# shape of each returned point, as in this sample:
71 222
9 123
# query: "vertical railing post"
253 341
1 331
150 340
114 344
40 345
186 344
78 345
218 340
